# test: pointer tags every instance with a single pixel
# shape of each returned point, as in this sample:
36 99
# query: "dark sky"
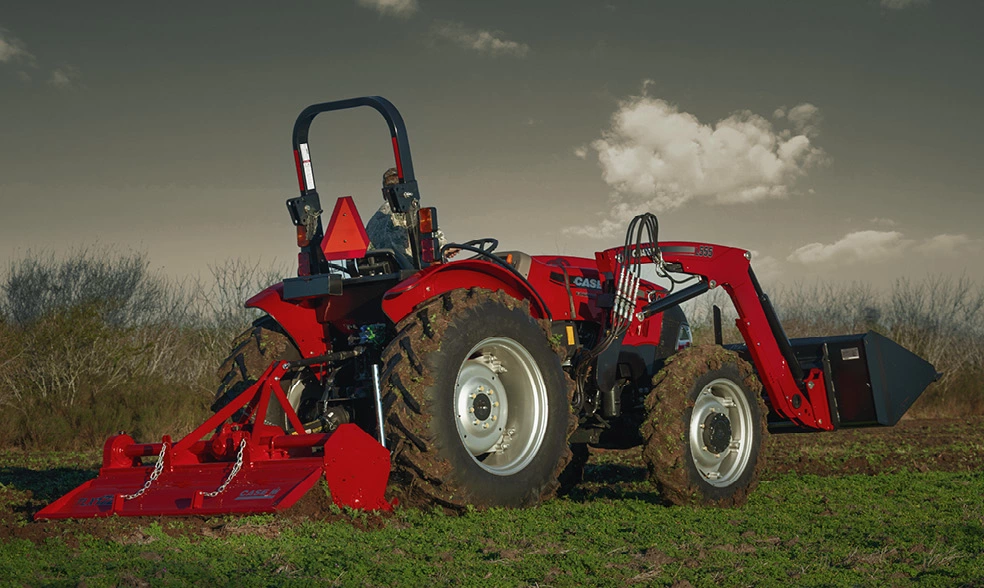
839 140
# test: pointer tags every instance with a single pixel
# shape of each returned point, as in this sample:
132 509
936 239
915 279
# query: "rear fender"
298 319
439 279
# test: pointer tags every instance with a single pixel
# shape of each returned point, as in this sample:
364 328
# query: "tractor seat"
380 262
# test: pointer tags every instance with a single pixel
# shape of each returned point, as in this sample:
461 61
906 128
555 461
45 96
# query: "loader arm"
801 398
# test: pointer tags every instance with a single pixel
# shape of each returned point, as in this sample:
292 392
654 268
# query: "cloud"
873 246
65 77
885 222
901 4
657 157
12 50
853 247
805 118
403 8
947 244
486 42
767 268
581 152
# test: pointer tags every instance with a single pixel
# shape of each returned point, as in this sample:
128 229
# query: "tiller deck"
246 466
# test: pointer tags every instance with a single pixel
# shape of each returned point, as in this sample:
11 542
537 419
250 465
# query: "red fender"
471 273
297 318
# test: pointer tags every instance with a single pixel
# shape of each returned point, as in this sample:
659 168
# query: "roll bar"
403 197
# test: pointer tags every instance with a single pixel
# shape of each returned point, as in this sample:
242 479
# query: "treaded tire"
425 380
669 443
573 474
252 352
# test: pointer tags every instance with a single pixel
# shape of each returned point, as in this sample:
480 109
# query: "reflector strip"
306 163
396 154
570 335
300 174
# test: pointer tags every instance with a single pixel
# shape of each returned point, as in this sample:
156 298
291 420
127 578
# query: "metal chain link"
232 474
158 468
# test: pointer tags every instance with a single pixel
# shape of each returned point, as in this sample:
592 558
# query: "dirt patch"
918 445
17 522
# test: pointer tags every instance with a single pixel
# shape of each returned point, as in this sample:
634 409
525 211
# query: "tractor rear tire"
476 403
705 428
252 353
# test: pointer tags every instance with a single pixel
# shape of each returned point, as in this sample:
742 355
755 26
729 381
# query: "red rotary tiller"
245 466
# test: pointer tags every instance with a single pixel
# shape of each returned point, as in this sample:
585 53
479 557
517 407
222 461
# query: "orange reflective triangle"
345 237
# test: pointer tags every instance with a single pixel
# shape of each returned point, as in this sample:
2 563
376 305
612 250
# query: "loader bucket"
871 380
245 466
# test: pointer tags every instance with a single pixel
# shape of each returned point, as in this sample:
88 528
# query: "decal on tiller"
258 494
104 500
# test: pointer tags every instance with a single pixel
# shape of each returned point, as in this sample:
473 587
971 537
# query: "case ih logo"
591 283
258 494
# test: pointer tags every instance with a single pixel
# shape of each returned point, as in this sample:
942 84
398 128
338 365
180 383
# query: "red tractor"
482 378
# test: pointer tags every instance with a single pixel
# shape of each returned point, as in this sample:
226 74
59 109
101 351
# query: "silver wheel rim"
500 406
721 432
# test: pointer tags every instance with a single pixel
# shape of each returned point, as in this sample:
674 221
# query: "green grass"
919 528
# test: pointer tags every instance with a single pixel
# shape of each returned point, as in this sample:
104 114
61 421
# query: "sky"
837 140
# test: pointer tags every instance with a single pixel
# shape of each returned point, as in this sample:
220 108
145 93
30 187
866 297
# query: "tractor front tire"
477 405
705 428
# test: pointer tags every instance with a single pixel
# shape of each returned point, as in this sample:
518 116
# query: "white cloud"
885 222
402 8
947 244
657 157
485 42
873 246
767 268
901 4
853 247
581 152
12 50
805 119
65 77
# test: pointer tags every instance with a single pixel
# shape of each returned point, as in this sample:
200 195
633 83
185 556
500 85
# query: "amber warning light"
429 246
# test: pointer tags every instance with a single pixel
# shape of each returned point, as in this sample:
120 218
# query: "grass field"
818 518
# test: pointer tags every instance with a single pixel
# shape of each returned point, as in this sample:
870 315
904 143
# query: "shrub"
96 342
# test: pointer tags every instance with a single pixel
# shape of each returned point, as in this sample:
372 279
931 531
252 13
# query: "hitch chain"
158 468
232 474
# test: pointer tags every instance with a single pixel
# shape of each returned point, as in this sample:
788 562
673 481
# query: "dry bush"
95 343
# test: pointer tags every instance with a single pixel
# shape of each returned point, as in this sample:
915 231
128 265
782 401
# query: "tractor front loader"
457 374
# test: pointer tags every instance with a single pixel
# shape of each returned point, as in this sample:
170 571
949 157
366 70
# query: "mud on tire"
252 352
705 428
477 405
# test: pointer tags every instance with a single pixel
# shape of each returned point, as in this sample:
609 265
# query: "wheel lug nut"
472 410
485 425
476 424
472 396
495 404
494 417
